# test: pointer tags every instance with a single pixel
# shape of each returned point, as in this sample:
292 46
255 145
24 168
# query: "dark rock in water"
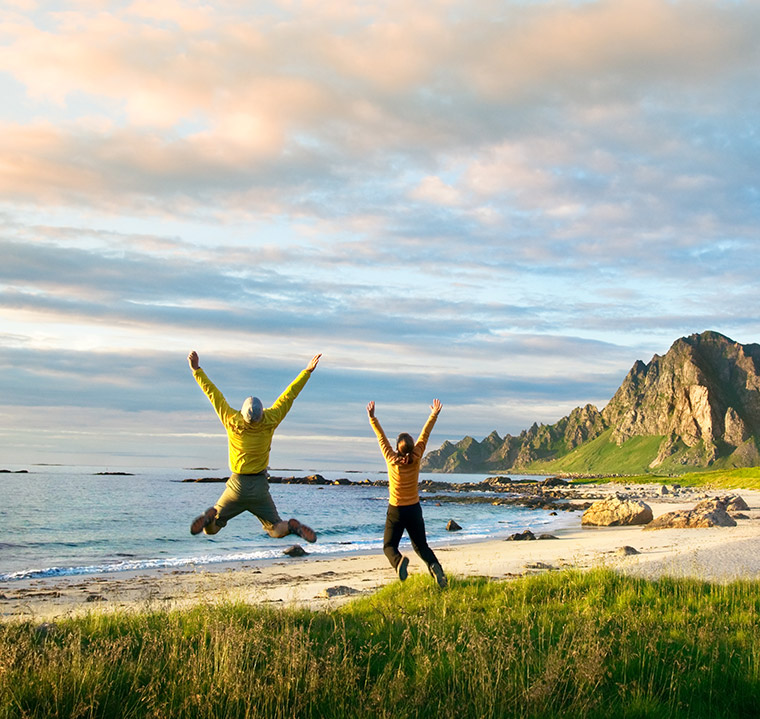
295 551
452 526
520 536
554 482
114 474
95 598
14 471
627 551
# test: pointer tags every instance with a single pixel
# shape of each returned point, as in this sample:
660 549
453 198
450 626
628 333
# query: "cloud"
502 204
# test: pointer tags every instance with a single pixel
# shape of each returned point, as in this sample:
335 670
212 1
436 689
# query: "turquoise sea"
66 520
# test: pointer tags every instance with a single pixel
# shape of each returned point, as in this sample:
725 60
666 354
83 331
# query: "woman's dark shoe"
402 569
436 570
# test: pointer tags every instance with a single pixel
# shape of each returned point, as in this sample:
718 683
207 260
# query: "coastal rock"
617 512
554 482
546 536
520 536
693 519
295 551
452 526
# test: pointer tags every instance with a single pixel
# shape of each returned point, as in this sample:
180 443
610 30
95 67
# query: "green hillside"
602 455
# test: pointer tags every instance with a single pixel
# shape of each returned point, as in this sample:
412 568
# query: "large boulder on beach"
616 512
706 516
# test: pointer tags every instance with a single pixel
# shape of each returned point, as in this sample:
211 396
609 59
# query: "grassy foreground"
566 644
728 479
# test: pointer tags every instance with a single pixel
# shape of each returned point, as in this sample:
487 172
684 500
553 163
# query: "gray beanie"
252 410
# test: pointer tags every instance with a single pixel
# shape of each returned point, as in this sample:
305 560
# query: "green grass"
729 479
565 644
601 455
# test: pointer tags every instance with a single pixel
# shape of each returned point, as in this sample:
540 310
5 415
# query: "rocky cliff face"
702 398
704 392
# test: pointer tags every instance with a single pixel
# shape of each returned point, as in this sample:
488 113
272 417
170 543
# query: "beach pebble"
337 591
626 551
539 565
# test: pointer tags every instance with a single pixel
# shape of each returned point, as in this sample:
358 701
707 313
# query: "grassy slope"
745 478
600 455
564 644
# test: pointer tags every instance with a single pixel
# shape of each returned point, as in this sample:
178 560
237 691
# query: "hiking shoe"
436 570
401 570
203 520
302 530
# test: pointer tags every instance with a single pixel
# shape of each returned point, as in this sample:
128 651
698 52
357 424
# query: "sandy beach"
716 554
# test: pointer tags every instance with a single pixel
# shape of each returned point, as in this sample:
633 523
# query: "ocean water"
64 520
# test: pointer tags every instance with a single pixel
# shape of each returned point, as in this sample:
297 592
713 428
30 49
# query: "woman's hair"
405 448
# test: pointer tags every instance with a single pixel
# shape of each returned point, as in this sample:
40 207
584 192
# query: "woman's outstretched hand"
371 409
436 407
313 363
192 360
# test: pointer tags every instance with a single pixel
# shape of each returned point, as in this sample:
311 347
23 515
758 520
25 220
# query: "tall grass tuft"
565 644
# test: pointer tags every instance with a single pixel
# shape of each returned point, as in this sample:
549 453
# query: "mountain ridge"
697 406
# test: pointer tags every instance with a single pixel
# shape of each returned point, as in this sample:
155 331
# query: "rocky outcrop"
701 401
616 512
704 393
691 519
711 512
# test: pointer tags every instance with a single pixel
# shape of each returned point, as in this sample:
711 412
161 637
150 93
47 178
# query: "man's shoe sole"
203 520
306 533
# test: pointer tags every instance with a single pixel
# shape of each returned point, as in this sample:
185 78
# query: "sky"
501 204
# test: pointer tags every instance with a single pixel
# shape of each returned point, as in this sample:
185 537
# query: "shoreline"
717 554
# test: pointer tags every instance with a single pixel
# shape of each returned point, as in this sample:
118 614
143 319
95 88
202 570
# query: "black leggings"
407 518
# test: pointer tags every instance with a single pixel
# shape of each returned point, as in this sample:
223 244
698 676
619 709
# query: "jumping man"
249 435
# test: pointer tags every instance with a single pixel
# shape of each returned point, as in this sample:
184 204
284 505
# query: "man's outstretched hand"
371 409
313 363
192 360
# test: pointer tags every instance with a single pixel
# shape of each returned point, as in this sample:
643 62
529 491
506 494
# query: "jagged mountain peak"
696 404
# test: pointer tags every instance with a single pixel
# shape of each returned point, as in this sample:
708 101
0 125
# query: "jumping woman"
404 510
